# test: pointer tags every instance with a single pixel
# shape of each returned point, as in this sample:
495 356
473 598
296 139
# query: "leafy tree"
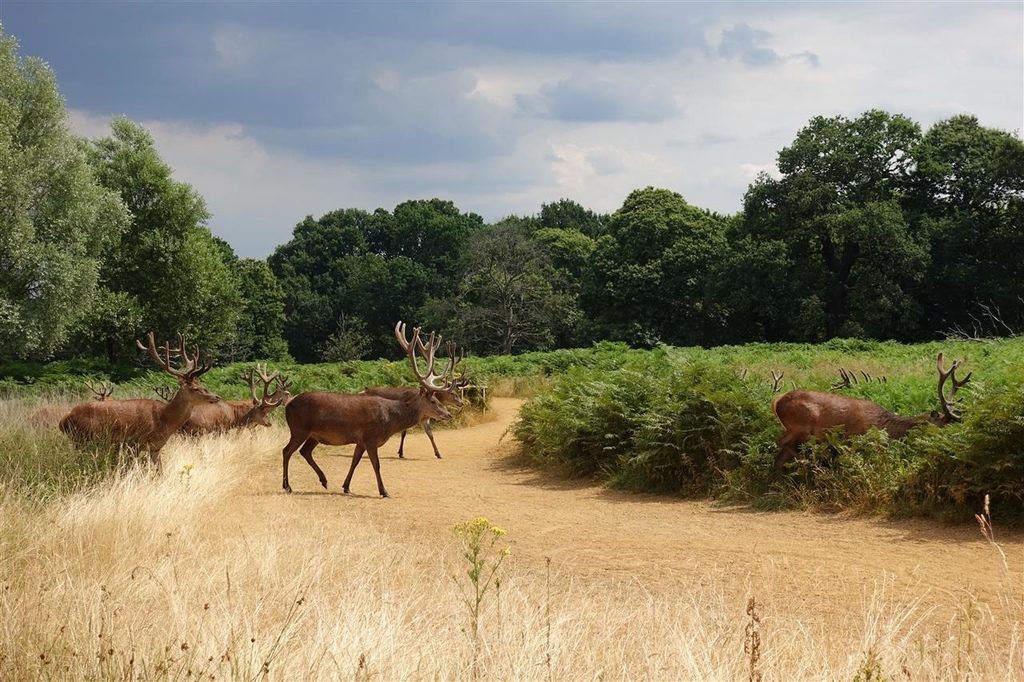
510 300
378 268
968 194
853 257
566 214
648 279
261 322
313 270
55 218
430 232
753 287
348 342
166 263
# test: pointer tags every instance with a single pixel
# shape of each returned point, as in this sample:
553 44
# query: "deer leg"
401 444
430 435
356 456
787 451
307 454
372 451
286 454
154 458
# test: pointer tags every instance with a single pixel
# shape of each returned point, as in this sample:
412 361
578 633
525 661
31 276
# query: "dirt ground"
591 532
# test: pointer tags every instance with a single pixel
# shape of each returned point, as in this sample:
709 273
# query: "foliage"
696 422
166 268
661 423
509 298
484 559
56 218
853 259
648 277
379 267
968 194
260 328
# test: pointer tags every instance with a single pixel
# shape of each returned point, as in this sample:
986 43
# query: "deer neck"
406 413
897 426
177 411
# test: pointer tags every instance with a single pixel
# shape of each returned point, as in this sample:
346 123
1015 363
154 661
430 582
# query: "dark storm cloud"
595 100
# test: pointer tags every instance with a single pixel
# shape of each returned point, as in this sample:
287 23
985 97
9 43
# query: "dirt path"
827 561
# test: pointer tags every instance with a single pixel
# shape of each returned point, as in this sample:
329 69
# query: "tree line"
873 228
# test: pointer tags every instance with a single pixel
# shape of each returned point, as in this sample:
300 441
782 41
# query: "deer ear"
935 414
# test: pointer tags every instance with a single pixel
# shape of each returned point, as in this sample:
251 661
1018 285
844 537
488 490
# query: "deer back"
806 414
123 421
445 397
343 418
218 417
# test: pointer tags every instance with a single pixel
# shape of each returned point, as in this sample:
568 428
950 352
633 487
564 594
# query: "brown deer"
239 414
366 420
808 414
141 423
447 393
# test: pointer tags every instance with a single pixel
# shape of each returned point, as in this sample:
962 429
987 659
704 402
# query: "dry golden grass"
210 573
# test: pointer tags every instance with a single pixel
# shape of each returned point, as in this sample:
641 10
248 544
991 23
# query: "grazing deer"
808 414
366 420
141 423
447 393
234 414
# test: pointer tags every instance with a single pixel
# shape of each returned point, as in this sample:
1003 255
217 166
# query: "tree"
648 278
375 268
566 214
55 218
167 262
509 297
853 258
433 233
260 329
968 197
313 270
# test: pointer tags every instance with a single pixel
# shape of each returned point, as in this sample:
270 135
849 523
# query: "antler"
847 379
165 392
101 393
275 398
427 350
947 403
451 380
192 367
777 380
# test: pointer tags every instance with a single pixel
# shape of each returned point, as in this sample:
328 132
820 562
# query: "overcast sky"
278 110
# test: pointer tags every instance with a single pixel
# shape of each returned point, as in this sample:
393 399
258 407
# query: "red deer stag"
808 414
447 393
141 423
239 414
366 420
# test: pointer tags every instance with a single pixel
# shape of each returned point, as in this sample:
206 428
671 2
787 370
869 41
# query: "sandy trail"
825 562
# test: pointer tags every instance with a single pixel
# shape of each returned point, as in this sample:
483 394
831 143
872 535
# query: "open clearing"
827 562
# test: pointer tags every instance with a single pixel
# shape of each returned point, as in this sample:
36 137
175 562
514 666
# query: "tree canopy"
56 219
871 227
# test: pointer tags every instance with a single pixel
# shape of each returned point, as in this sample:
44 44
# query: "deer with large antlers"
141 423
809 414
447 391
240 414
368 421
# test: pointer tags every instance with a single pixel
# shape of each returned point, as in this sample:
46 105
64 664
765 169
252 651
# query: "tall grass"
200 575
